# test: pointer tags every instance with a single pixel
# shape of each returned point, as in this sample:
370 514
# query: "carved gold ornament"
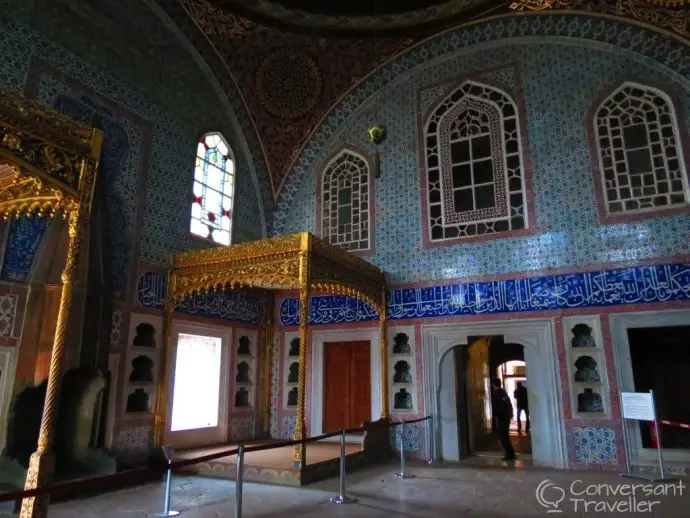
671 15
48 166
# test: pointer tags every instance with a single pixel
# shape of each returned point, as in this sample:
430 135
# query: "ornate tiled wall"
165 227
148 154
560 80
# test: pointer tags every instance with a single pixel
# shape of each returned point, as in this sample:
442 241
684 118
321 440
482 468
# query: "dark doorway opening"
660 358
483 359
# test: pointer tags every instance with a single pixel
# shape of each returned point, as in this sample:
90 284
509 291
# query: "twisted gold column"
300 453
161 411
383 324
267 359
41 462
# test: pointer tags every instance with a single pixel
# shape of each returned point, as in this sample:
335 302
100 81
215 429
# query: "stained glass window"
345 203
639 150
214 182
474 166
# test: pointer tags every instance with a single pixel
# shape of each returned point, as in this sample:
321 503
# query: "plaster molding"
537 336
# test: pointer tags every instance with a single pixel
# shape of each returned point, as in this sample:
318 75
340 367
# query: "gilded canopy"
287 262
47 161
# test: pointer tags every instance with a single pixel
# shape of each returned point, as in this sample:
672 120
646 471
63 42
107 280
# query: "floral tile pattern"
133 444
595 445
413 438
287 427
241 428
8 312
173 145
558 81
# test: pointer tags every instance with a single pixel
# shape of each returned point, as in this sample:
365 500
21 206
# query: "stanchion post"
657 429
168 452
402 474
626 444
342 498
239 480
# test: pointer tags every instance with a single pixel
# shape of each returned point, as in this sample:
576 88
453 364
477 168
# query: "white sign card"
638 405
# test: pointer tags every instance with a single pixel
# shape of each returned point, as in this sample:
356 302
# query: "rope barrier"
676 424
151 471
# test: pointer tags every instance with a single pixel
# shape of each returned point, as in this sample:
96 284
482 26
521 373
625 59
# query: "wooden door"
360 384
347 385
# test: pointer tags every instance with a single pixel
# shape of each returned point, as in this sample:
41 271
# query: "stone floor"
449 490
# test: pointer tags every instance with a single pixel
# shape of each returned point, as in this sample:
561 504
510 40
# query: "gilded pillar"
383 323
163 386
304 289
41 462
267 359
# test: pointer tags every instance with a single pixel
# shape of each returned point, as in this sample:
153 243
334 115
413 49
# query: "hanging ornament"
377 135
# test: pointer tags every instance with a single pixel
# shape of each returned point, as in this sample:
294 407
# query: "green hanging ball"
377 133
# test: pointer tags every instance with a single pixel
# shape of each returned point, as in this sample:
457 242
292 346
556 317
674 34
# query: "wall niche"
145 335
142 370
138 401
245 369
586 366
290 372
402 374
142 357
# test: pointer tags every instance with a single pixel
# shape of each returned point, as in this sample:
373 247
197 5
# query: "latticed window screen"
474 165
639 150
214 180
345 204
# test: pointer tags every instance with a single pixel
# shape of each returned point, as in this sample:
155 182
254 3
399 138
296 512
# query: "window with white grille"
474 165
345 201
639 151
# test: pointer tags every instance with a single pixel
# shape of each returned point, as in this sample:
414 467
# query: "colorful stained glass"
211 214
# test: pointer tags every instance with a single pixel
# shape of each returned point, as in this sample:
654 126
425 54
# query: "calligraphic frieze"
226 305
614 287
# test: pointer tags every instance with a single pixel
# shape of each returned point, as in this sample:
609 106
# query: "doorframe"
189 438
537 336
619 325
318 339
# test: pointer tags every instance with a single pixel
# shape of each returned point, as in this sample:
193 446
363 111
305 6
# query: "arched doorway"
474 366
461 417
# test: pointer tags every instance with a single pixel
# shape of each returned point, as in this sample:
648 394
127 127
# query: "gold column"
41 462
383 323
300 453
163 385
268 357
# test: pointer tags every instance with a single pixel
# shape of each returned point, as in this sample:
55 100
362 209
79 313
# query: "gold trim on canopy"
48 166
300 262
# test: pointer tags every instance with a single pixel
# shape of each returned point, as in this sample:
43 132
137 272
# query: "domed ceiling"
357 16
292 60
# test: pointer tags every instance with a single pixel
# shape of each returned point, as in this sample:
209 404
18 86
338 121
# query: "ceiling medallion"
288 84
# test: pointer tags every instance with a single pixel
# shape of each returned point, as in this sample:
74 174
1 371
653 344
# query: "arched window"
639 152
475 182
346 201
214 184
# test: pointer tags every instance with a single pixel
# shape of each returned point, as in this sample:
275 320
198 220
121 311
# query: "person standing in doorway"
503 412
520 396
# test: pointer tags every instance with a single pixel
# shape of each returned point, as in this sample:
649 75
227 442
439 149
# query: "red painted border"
677 107
321 167
517 95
